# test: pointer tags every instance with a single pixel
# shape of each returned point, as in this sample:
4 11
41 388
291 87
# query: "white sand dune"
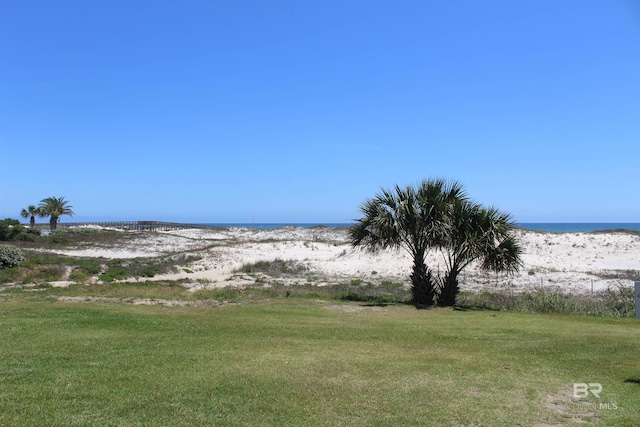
576 262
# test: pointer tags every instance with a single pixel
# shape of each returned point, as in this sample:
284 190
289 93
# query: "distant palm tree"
32 211
54 207
477 234
414 218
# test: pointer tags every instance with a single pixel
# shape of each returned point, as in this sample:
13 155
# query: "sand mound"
572 261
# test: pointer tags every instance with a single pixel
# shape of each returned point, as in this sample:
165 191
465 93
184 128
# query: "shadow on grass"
473 308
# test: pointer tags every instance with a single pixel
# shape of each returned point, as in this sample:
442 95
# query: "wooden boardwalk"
136 225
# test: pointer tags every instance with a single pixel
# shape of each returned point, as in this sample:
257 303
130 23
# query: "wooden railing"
136 225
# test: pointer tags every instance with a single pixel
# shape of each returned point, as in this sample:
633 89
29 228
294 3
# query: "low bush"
391 286
275 268
10 257
615 302
92 267
59 239
120 269
44 274
114 273
148 272
78 276
12 230
378 299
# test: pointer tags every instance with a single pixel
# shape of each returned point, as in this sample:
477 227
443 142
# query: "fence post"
637 300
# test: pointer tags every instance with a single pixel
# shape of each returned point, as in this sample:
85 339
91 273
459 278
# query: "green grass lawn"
310 362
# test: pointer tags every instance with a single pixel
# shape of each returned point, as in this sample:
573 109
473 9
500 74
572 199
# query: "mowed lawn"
309 362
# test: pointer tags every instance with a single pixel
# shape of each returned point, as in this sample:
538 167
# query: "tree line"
438 215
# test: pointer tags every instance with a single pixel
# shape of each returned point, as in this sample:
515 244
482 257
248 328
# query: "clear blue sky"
298 110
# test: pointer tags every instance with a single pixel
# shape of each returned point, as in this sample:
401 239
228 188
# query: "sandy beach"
575 262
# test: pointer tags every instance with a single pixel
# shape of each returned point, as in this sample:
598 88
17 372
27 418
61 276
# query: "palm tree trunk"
449 289
53 223
422 289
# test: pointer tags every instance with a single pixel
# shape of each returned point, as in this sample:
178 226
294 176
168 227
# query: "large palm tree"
54 207
32 211
477 234
413 218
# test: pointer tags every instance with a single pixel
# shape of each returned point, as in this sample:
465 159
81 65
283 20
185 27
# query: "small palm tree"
413 218
477 234
32 211
54 207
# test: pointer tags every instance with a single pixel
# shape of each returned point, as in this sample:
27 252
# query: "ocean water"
575 227
553 227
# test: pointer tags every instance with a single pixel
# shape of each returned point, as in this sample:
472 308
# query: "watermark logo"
581 390
584 390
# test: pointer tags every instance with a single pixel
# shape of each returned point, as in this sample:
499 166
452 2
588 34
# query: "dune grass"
309 362
42 267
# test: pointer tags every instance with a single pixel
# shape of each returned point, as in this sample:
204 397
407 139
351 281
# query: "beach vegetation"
12 230
122 269
45 274
80 237
437 215
613 302
388 284
10 257
59 239
148 271
633 275
274 268
114 272
476 234
45 266
412 218
30 212
30 272
79 276
379 299
54 207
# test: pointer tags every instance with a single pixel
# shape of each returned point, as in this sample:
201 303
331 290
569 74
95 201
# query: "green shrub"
382 298
148 272
78 276
619 301
10 257
12 230
615 302
228 293
59 239
45 273
9 228
92 268
275 268
114 273
390 286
